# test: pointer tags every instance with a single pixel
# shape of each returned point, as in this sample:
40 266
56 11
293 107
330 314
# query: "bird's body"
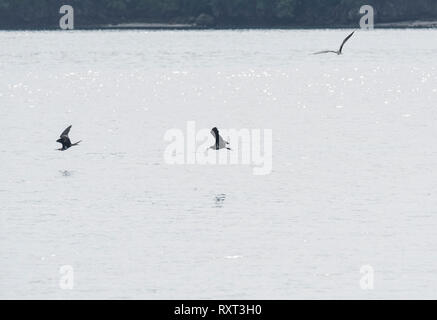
65 140
339 51
220 143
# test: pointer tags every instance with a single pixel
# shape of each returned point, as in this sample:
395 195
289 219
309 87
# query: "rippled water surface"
353 180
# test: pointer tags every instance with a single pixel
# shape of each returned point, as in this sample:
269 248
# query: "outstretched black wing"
325 51
345 40
66 132
215 133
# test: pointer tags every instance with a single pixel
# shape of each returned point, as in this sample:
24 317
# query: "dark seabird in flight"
65 140
341 47
220 143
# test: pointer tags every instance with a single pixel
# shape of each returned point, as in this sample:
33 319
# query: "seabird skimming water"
65 140
219 142
341 47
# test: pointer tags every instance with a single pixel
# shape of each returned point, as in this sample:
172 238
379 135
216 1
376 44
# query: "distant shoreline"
417 24
402 24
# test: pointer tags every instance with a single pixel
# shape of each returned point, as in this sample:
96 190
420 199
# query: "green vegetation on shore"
210 13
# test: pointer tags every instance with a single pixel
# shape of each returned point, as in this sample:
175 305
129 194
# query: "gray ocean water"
353 181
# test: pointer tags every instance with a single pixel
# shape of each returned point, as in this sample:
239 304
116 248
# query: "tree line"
212 13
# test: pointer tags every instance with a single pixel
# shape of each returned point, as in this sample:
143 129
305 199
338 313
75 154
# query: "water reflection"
219 200
66 173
